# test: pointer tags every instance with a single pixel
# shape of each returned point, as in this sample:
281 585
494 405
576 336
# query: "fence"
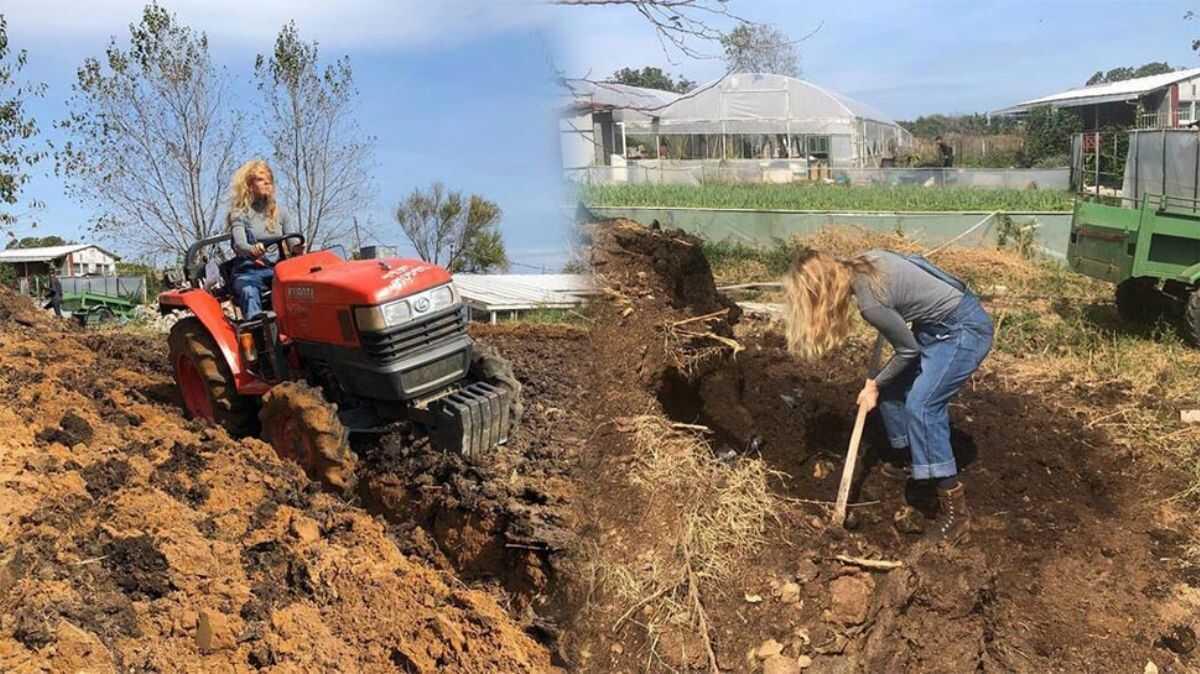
685 172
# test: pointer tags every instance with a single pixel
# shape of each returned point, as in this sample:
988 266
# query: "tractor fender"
208 310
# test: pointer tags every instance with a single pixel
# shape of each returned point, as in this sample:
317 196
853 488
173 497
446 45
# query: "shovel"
839 508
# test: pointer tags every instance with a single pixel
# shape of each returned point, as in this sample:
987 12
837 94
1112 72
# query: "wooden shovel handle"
839 509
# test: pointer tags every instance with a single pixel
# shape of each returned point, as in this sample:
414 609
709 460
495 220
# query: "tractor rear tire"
304 427
205 382
1191 317
1139 301
488 365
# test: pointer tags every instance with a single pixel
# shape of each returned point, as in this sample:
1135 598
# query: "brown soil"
1076 560
131 540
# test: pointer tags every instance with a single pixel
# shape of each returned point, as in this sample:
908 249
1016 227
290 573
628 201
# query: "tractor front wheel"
1191 316
204 380
1139 300
303 427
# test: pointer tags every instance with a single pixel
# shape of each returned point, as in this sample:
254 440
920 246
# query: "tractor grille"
398 343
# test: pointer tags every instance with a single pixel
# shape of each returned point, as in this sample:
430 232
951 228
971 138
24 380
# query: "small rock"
850 599
779 664
853 521
807 571
753 599
1151 668
617 649
804 662
768 649
305 529
789 593
213 632
1189 416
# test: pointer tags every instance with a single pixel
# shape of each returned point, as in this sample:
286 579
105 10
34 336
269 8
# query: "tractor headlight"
392 314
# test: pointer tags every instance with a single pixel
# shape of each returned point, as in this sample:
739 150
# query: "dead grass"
693 346
715 514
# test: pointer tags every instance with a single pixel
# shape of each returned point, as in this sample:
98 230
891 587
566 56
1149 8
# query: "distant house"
79 259
1166 101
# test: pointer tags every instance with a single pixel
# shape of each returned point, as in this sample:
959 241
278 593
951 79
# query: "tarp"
1162 162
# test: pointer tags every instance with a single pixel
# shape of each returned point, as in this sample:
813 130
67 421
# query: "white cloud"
342 24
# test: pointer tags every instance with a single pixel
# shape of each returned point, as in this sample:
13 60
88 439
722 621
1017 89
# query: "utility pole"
357 238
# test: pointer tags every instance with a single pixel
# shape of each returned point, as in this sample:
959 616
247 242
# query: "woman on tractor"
950 336
255 216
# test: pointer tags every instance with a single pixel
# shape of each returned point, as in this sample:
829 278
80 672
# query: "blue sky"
459 92
911 58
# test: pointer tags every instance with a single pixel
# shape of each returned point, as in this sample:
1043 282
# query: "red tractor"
350 346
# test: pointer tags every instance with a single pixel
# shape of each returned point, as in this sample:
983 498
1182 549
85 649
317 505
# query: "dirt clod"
1181 639
850 599
780 664
214 632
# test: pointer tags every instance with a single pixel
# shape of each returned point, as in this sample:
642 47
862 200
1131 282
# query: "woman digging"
950 336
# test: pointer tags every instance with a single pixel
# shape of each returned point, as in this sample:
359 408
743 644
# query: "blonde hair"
818 289
241 198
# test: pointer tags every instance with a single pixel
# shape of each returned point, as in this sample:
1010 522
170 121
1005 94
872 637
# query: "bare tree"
680 25
760 48
152 136
322 156
446 229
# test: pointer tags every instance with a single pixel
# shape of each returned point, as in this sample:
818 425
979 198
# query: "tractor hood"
324 278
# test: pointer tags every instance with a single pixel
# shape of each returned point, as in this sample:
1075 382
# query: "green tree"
931 126
653 78
38 242
1048 132
457 232
759 48
152 136
319 151
17 127
1128 73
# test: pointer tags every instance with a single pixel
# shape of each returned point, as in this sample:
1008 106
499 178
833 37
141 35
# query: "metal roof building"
490 294
1167 100
77 259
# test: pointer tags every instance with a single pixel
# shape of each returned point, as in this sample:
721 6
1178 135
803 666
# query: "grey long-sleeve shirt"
911 295
254 222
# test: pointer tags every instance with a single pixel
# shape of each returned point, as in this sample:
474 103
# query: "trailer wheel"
1139 301
304 427
204 381
1191 317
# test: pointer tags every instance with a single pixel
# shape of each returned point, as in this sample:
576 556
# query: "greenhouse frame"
741 118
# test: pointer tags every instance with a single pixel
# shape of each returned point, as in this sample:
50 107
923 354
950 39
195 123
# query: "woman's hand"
868 397
259 250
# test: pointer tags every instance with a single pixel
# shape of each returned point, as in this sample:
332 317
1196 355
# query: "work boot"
953 523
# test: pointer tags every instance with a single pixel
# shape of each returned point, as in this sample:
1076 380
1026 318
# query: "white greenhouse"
776 127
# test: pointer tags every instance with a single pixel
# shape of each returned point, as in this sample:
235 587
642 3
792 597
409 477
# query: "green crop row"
827 197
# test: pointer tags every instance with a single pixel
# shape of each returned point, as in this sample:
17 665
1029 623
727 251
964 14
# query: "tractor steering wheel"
278 242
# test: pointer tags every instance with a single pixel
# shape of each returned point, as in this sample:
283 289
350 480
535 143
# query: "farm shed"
745 117
80 259
1166 101
491 294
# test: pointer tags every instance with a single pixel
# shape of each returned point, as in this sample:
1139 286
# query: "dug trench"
1075 563
133 540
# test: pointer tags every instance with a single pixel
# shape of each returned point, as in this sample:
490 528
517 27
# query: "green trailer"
95 309
1136 222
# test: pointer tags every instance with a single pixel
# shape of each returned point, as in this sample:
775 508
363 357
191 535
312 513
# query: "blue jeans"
916 405
249 282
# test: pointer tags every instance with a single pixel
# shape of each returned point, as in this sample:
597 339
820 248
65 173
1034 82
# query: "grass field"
826 197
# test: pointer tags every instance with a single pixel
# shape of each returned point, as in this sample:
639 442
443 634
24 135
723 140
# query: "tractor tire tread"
233 411
333 462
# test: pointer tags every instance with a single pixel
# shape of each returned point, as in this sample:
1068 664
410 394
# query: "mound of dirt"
131 540
1075 562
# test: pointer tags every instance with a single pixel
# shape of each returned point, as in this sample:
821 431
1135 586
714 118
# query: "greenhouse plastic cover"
757 103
